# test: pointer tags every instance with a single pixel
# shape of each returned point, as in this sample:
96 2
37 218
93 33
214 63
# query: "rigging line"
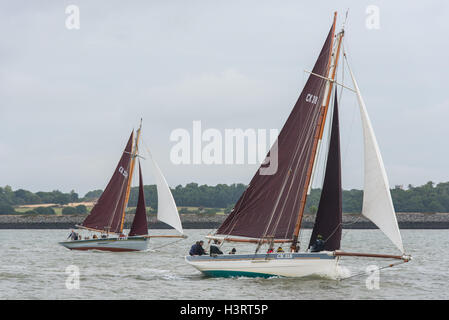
167 244
348 143
342 75
350 223
378 269
346 18
328 140
349 134
345 232
147 149
323 162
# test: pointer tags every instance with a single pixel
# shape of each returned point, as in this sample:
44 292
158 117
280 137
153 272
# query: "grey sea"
34 266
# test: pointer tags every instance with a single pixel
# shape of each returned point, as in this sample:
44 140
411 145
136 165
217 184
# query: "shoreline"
204 221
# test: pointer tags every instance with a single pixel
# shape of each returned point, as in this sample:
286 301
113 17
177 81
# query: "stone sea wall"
204 221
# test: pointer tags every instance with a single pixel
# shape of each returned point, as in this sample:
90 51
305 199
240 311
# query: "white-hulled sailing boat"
108 215
270 210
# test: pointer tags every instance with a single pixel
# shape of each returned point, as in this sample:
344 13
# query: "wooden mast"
128 188
318 131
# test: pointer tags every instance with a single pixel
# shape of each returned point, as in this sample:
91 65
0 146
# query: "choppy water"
33 266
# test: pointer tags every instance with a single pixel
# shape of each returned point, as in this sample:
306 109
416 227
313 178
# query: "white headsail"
167 211
377 202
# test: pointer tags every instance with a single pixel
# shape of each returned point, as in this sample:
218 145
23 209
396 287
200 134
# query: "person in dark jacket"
319 244
192 251
214 250
197 249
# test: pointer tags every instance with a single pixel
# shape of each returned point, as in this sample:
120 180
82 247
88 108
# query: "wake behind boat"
108 215
271 209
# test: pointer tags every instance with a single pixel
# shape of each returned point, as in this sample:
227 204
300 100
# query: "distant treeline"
426 198
21 197
194 195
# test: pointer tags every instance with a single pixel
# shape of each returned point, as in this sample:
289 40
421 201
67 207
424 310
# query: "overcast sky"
70 98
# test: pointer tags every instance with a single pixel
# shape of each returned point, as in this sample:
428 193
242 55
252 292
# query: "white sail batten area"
377 202
167 211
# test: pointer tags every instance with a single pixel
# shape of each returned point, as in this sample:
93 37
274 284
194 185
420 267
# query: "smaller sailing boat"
108 215
271 209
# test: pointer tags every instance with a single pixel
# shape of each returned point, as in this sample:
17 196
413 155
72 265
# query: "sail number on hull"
284 256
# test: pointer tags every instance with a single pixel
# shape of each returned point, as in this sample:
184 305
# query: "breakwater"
208 221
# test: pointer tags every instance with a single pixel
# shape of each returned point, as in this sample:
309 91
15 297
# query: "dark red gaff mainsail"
108 211
269 207
329 216
139 226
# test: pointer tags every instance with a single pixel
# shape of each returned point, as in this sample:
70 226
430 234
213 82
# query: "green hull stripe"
227 274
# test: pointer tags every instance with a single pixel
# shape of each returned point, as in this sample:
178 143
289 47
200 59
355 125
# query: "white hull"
295 265
109 244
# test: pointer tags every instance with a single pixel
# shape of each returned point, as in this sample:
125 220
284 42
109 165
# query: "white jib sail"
166 207
377 202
